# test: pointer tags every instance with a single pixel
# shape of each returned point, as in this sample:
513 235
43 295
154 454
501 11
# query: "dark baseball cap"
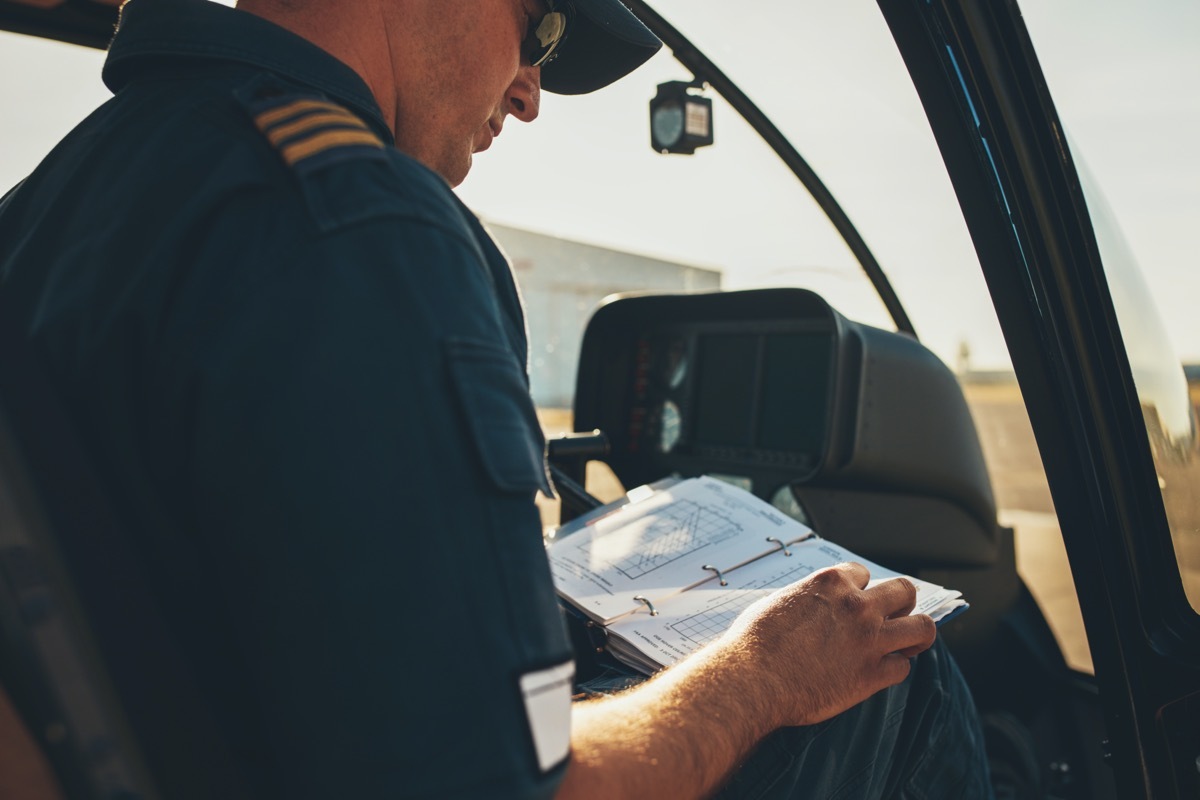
604 42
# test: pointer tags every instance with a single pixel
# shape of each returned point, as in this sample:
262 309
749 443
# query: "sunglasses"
546 34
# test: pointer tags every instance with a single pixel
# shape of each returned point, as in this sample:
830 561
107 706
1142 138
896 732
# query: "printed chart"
704 626
675 532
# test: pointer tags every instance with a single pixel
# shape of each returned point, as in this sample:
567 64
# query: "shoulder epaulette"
340 165
308 131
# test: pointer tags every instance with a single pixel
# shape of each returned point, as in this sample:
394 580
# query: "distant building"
563 282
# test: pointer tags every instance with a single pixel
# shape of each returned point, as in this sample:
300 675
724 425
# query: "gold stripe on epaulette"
341 117
268 118
325 141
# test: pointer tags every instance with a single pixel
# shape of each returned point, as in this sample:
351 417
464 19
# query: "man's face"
466 76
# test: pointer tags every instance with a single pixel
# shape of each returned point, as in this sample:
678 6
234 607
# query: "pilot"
298 362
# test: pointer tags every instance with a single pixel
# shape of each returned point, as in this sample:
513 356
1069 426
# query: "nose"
524 96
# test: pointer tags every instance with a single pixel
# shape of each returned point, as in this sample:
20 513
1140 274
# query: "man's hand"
828 642
800 656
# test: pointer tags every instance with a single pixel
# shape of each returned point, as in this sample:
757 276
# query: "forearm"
679 735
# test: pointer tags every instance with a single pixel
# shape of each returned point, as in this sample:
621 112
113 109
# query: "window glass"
1126 82
49 87
1166 402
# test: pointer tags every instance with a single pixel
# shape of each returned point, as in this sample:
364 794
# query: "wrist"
738 691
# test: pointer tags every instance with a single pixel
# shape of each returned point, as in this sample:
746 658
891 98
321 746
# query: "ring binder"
649 605
781 543
689 608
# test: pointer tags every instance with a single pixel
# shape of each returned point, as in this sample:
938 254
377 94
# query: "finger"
897 597
908 636
854 572
895 668
913 652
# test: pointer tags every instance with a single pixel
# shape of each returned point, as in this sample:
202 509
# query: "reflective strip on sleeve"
547 695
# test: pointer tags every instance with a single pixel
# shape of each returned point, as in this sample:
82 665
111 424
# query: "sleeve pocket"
500 417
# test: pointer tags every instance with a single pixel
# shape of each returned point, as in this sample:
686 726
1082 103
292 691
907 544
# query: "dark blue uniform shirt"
299 363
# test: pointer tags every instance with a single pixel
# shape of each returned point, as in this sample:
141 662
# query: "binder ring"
649 605
720 577
779 542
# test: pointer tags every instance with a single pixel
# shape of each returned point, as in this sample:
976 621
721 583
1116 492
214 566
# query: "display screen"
725 389
795 392
762 391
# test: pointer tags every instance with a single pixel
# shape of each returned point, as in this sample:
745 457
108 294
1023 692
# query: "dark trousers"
918 740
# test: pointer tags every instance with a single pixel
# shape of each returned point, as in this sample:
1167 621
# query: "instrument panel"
741 384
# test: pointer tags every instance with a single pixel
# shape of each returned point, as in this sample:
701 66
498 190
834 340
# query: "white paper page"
690 620
659 547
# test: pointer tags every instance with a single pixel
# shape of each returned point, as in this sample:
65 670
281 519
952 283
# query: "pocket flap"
500 416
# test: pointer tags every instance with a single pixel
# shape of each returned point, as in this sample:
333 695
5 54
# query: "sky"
1125 78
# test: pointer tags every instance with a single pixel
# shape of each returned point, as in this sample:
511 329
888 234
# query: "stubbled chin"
483 140
457 176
